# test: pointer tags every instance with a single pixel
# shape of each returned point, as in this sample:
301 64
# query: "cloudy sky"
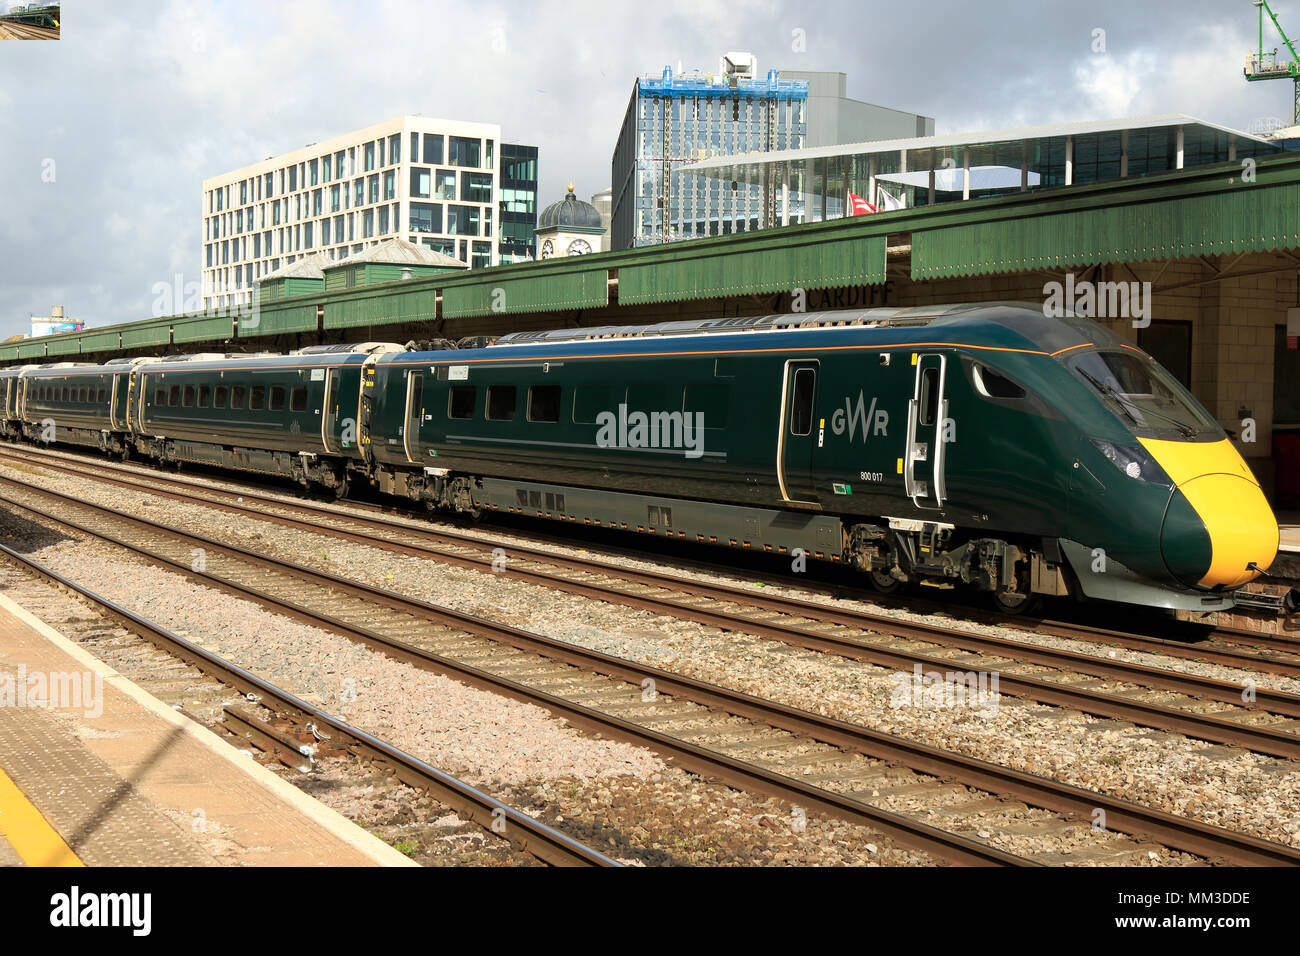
142 99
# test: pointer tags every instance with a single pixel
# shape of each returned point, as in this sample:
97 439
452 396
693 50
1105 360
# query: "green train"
984 445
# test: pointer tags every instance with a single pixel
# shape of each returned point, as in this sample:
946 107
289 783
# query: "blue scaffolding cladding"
673 121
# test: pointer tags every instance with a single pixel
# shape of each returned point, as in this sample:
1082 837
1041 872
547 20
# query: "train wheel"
1016 603
883 581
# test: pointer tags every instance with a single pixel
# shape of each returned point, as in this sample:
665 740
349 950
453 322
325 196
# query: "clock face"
548 249
579 247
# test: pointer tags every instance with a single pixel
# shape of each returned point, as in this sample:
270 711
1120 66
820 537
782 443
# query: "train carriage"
290 415
69 402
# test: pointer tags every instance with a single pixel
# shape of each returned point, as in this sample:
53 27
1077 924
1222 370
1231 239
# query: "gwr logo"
855 416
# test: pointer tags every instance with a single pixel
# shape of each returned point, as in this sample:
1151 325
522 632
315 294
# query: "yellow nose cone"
1221 488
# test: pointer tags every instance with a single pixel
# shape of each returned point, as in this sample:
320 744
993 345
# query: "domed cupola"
569 227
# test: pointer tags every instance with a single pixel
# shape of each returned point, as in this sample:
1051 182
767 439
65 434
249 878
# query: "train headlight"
1134 461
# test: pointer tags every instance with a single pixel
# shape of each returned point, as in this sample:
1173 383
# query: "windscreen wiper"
1185 429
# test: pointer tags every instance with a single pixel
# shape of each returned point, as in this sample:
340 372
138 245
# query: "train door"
798 439
414 415
136 386
923 458
329 425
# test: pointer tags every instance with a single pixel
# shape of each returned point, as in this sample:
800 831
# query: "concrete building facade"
434 182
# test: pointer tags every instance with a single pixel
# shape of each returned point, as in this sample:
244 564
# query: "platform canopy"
810 185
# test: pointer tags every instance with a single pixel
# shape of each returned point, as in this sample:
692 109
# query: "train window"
993 384
298 399
929 396
711 401
101 396
257 400
219 396
589 401
801 401
205 396
237 396
277 398
460 401
544 403
188 400
160 396
65 394
500 403
652 398
82 395
174 395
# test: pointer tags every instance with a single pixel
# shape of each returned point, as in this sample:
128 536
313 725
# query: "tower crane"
1267 66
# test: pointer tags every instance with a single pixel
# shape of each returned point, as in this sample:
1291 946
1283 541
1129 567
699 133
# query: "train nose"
1218 522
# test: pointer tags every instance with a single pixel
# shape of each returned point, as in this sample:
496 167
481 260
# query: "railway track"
266 724
750 743
27 31
827 629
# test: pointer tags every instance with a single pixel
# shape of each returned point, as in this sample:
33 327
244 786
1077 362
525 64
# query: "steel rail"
536 838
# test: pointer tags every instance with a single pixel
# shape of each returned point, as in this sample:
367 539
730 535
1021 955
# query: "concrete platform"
111 776
1290 537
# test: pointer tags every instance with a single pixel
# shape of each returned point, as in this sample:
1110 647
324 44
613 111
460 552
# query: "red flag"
860 207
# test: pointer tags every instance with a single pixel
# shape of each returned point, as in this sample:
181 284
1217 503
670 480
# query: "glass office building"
518 210
674 121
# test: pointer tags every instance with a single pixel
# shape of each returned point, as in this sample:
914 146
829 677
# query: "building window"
334 198
383 220
370 156
426 217
432 149
421 183
463 220
325 164
481 257
373 183
313 171
358 192
476 187
446 184
395 148
324 232
465 152
415 147
390 184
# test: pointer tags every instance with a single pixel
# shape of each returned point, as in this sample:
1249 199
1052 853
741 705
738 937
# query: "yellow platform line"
31 836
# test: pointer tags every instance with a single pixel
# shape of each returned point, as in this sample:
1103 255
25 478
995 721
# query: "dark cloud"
140 101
